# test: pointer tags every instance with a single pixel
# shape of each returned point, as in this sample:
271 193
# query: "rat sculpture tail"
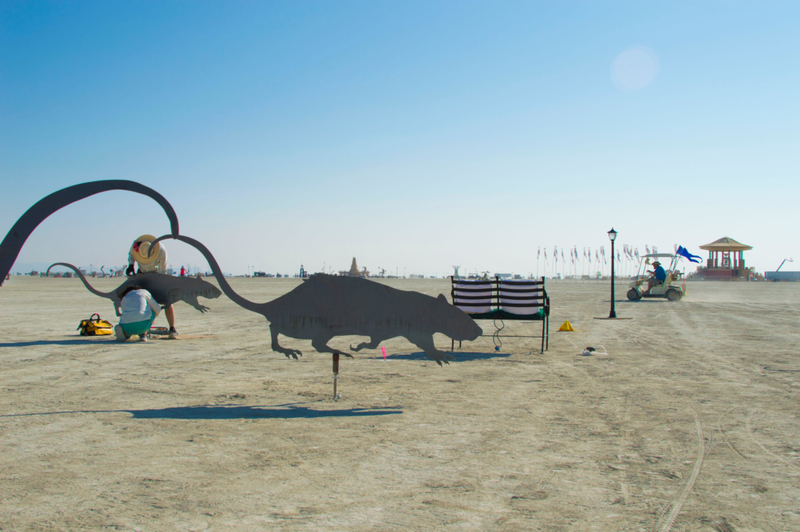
19 233
108 295
223 284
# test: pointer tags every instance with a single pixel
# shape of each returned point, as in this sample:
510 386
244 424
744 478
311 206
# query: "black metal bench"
503 299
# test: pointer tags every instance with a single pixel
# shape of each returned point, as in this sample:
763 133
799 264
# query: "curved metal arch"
28 222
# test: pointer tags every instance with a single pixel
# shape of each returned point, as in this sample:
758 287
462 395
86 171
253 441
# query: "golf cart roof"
658 255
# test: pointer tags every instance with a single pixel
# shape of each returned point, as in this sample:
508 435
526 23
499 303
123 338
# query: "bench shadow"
644 300
231 412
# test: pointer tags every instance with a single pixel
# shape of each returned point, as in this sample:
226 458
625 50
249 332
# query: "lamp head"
612 235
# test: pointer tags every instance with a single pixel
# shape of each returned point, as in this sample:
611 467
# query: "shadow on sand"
644 300
255 412
290 411
460 356
77 341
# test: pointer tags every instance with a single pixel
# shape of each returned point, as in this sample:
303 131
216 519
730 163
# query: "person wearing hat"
154 260
658 275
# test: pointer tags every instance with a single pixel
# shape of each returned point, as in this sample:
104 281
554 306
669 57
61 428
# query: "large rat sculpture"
325 306
22 229
165 289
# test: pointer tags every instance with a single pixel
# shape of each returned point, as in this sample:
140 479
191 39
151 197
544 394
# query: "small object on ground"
95 326
589 351
383 350
567 326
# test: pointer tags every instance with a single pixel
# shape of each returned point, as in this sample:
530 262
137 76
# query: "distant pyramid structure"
354 271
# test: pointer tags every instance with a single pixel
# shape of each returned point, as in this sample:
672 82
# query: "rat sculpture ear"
442 298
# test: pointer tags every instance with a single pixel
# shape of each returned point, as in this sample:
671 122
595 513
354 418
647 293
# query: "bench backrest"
521 297
473 297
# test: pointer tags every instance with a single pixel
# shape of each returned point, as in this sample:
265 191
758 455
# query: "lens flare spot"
634 69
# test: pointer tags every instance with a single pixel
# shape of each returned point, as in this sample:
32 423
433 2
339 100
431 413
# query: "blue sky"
411 135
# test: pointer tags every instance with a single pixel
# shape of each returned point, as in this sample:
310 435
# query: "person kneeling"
138 310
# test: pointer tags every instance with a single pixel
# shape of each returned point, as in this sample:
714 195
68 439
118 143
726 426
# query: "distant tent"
726 244
725 259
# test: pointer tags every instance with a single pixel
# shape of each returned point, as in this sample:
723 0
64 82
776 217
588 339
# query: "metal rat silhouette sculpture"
320 309
325 306
165 289
19 233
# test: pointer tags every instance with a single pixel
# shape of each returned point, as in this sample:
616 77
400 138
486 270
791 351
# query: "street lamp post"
612 235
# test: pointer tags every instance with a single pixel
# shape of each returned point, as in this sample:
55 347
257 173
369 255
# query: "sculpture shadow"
461 356
77 341
255 412
290 411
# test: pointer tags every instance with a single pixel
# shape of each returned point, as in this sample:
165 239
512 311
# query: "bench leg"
547 342
543 322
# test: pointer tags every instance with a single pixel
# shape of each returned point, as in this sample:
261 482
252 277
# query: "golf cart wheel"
633 295
673 295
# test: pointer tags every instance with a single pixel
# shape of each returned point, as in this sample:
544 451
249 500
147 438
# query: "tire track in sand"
665 522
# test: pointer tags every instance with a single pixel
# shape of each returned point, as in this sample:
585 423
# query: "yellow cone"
566 327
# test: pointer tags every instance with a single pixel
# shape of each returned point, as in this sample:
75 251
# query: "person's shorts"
137 328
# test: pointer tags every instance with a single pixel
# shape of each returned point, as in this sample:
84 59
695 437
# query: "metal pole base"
336 395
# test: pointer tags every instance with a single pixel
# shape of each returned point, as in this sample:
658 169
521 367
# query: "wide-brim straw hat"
145 242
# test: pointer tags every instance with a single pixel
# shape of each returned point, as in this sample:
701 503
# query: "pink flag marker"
383 350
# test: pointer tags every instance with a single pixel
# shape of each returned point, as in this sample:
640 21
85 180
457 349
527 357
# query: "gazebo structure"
725 260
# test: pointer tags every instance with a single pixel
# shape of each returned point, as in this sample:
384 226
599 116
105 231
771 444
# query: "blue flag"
692 258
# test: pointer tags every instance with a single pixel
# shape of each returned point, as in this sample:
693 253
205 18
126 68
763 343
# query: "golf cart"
669 288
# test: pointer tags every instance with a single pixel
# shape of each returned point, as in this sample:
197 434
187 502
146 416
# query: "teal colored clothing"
661 274
137 328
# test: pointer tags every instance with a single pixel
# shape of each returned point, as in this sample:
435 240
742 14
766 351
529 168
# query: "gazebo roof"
726 244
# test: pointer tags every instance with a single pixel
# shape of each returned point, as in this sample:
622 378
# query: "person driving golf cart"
660 282
657 276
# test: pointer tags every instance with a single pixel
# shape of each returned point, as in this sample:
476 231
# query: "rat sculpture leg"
372 344
426 344
320 344
290 353
191 299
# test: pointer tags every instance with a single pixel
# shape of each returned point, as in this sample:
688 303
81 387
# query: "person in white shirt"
156 262
138 310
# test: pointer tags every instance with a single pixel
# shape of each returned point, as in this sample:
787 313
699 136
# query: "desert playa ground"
690 422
